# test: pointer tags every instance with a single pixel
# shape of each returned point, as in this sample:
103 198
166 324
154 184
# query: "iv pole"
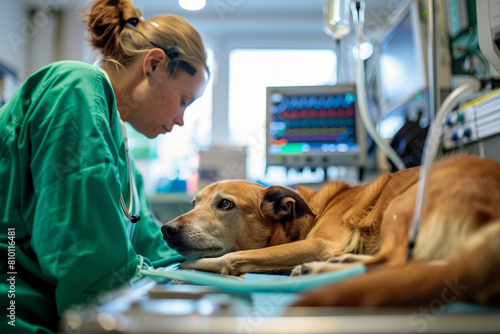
434 93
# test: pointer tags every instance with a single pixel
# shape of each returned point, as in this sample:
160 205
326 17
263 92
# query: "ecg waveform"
313 119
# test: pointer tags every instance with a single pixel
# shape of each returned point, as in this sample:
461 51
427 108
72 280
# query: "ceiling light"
192 4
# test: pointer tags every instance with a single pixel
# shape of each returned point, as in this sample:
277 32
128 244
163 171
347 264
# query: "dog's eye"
226 204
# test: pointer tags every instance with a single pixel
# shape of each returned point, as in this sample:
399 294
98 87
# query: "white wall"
12 52
40 48
73 45
60 37
34 34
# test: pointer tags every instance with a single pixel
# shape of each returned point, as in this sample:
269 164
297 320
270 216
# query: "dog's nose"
171 228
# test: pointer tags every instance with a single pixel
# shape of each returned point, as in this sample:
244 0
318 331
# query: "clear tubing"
361 92
430 151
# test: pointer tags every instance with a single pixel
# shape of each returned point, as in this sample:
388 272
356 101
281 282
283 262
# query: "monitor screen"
313 126
402 61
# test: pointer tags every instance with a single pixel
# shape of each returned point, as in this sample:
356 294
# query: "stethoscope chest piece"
135 218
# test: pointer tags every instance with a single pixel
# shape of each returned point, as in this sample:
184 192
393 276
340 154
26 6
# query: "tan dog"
239 227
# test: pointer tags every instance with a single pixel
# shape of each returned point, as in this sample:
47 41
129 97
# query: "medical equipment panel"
475 120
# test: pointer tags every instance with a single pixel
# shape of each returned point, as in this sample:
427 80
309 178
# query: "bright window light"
393 80
250 72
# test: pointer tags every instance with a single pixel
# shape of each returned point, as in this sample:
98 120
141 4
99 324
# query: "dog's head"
229 216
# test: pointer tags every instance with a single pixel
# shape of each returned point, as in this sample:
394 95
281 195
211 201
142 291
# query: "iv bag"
337 21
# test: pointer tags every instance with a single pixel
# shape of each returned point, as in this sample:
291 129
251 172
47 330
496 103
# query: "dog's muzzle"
174 237
170 229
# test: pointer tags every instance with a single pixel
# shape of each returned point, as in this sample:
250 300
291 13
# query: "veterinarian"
68 190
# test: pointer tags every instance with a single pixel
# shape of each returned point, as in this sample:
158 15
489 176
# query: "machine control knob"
452 119
461 117
457 134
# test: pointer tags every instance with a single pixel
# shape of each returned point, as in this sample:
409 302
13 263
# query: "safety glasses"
171 52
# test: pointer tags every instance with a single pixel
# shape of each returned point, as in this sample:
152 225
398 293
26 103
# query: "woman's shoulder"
69 70
67 78
71 65
65 85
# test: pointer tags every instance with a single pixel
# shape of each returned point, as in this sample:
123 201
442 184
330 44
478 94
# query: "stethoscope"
134 198
134 203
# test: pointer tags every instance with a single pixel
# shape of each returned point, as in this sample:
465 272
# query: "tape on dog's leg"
286 284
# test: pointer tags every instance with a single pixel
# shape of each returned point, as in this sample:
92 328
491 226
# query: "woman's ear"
154 60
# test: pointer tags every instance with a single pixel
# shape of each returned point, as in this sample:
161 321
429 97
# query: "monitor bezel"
318 90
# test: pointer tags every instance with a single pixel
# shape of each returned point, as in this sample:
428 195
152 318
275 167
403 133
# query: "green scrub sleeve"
148 237
79 232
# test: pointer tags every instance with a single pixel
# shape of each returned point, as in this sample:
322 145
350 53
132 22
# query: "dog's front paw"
300 270
218 265
349 258
212 265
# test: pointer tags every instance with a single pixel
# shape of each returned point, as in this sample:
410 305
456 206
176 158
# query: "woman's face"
161 100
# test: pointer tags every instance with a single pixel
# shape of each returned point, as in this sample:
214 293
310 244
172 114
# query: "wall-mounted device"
401 54
488 25
475 120
402 60
475 127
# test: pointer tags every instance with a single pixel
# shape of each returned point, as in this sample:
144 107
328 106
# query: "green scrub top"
62 170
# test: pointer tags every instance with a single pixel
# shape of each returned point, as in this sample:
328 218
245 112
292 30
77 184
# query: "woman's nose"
179 120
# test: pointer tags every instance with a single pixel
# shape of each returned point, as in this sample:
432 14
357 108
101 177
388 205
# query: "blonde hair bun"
105 21
121 47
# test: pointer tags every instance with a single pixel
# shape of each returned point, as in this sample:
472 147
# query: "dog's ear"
283 204
306 192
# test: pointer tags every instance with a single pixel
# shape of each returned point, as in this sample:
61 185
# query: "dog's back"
462 192
353 215
460 228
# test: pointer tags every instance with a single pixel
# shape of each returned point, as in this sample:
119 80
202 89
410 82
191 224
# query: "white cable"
432 143
363 105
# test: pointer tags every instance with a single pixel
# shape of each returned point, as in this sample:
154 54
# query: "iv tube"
358 12
432 142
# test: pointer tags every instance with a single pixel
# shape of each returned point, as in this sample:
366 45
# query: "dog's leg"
349 258
332 264
270 259
393 251
395 231
474 275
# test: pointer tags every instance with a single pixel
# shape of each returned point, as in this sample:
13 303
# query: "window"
250 72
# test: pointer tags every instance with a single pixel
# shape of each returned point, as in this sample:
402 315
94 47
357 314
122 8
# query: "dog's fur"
239 226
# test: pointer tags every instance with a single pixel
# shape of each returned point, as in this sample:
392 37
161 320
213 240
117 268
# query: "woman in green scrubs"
65 183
